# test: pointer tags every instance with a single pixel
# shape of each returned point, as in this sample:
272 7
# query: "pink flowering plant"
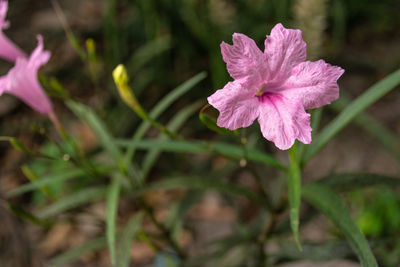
275 87
120 172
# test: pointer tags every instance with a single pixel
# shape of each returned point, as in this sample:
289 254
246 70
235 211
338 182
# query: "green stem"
294 188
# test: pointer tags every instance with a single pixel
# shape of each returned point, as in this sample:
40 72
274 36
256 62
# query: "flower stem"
294 188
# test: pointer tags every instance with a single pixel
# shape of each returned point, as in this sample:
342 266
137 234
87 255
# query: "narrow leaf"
205 183
388 139
24 215
71 255
33 178
228 150
112 209
147 52
161 106
87 114
54 178
332 206
174 125
79 198
129 233
373 94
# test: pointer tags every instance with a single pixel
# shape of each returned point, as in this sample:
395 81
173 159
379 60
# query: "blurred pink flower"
275 87
8 50
22 81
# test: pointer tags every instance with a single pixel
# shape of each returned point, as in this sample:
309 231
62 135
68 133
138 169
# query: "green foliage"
112 210
327 202
164 43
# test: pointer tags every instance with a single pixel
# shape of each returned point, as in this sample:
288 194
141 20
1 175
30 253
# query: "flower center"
260 90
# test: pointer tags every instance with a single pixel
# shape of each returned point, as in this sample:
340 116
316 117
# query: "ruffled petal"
314 83
283 120
244 60
284 49
39 56
238 108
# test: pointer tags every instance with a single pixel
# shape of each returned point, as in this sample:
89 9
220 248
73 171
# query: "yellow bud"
120 75
90 46
121 79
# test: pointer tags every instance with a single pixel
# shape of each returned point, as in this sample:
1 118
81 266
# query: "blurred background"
164 43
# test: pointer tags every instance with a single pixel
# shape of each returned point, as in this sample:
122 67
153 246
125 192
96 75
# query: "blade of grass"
54 178
322 198
194 146
174 125
111 216
146 53
33 178
388 139
87 115
129 233
161 106
374 93
205 183
75 253
76 199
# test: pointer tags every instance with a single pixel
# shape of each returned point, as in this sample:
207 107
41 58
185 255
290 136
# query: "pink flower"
8 50
275 87
22 80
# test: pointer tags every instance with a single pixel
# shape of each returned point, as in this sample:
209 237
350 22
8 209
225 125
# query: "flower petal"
238 107
283 120
244 60
3 13
39 56
8 50
22 81
284 49
314 83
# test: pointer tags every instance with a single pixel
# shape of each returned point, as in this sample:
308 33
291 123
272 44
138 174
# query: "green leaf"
352 181
79 198
174 125
129 233
373 94
112 210
322 198
24 215
87 115
294 185
33 178
161 106
71 255
228 150
388 139
205 183
147 52
54 178
211 124
20 147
